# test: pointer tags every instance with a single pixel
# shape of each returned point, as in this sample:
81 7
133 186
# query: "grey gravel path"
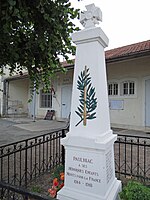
12 130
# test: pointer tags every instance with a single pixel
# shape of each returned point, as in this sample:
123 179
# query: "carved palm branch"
87 99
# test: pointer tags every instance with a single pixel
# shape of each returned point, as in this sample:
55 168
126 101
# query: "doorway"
66 94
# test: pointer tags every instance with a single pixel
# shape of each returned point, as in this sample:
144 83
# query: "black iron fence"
132 158
22 161
25 160
11 192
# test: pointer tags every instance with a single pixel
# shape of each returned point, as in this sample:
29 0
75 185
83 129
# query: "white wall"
18 91
58 81
133 114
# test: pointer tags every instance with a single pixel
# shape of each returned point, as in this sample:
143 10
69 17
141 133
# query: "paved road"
12 130
15 129
121 131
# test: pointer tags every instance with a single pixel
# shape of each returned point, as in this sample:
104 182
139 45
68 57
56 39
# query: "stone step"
17 115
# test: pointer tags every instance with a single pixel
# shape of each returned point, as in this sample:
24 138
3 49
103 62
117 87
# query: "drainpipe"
34 101
5 98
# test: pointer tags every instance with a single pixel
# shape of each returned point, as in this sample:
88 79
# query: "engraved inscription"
109 168
86 160
82 172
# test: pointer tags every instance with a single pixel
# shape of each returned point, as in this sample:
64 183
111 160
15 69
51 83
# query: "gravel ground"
12 130
41 184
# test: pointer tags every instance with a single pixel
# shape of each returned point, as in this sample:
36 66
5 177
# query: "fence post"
63 149
26 162
1 165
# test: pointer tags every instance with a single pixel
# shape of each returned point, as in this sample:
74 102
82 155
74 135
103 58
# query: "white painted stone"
91 17
90 52
89 170
89 165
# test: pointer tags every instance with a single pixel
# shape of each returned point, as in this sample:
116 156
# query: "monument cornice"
90 35
93 143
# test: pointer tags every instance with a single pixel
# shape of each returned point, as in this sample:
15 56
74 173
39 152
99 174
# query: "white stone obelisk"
89 145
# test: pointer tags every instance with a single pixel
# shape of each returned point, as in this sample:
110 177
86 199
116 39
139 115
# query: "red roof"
129 50
121 53
66 64
132 50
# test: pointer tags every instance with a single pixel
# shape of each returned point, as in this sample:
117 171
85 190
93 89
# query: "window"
45 99
128 88
113 89
110 86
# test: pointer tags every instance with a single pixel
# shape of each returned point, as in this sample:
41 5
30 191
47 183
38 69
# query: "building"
128 74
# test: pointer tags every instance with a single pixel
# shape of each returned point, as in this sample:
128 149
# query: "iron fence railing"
16 193
132 157
22 161
25 160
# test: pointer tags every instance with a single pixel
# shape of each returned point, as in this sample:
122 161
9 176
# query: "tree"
33 33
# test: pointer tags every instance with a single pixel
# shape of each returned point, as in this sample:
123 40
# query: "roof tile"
132 49
128 50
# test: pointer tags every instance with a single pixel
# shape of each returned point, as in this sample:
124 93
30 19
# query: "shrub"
135 191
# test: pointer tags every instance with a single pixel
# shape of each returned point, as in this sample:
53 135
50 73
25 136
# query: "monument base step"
89 169
71 194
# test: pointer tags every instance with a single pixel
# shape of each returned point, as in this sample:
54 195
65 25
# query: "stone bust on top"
91 17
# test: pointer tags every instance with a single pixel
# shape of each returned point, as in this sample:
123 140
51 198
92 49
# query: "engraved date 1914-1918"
86 183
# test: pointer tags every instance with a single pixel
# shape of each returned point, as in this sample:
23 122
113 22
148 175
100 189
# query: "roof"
17 77
67 65
132 50
113 55
123 53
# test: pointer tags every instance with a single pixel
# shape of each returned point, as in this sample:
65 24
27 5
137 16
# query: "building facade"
128 76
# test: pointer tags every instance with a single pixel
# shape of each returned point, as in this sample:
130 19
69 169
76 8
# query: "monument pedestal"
89 169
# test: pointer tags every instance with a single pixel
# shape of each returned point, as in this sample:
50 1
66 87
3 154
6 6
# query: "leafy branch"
87 99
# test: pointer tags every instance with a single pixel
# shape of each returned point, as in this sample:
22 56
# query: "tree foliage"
33 33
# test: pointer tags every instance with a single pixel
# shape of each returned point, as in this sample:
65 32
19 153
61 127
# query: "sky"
123 21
